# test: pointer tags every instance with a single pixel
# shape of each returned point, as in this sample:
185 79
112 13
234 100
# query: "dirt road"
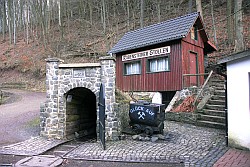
20 120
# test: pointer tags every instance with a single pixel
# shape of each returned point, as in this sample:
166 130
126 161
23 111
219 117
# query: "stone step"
217 80
215 107
219 92
211 118
216 102
218 97
218 87
211 124
213 112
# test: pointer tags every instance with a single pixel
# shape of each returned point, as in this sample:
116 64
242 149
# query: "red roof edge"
209 47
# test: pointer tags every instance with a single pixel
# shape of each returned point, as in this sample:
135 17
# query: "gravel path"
19 117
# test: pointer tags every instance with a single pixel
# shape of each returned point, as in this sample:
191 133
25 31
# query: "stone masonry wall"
61 78
49 113
108 79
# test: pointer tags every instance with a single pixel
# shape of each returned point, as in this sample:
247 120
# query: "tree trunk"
42 22
1 19
239 42
14 23
214 28
128 16
104 23
27 21
90 12
4 20
229 22
60 18
10 21
142 14
59 13
190 6
199 8
159 10
104 16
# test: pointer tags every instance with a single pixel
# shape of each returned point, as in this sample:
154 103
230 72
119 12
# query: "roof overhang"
209 47
158 33
235 56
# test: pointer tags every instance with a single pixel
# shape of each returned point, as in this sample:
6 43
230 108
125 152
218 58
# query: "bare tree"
214 28
10 19
229 22
4 22
239 42
128 15
14 22
159 10
90 12
142 14
27 20
60 17
103 16
199 8
190 6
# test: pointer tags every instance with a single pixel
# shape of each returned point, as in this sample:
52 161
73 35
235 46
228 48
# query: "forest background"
84 30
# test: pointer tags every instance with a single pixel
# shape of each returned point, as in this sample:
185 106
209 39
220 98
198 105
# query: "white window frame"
132 68
158 65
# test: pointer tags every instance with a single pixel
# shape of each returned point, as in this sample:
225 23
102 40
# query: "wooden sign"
147 53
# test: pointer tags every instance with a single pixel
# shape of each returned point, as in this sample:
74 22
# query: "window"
132 68
194 33
158 64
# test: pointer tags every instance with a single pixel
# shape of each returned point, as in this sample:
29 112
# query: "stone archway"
65 80
81 113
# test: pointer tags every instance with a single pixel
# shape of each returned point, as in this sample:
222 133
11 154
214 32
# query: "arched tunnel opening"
80 114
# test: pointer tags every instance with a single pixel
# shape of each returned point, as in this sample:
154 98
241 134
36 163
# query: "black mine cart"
147 117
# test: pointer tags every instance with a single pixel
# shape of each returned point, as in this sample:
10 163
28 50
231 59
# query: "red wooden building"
156 57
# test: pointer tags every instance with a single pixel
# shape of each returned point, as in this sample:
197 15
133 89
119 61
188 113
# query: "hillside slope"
26 62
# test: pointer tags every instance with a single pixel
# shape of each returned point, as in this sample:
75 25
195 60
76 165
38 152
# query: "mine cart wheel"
136 128
161 128
161 131
148 130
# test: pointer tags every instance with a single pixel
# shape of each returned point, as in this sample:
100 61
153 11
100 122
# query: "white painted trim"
78 65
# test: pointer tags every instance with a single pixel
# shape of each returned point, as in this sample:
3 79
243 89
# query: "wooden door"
193 68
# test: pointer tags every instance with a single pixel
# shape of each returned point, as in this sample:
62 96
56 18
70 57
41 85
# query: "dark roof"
235 56
157 33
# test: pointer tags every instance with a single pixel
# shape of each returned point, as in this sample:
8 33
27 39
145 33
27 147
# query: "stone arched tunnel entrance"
71 109
81 114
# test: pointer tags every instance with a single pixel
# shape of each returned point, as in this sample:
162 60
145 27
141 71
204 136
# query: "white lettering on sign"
78 73
147 53
137 108
141 108
149 112
141 115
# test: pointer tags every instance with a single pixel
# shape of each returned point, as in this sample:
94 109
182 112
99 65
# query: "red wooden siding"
195 47
160 81
180 60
